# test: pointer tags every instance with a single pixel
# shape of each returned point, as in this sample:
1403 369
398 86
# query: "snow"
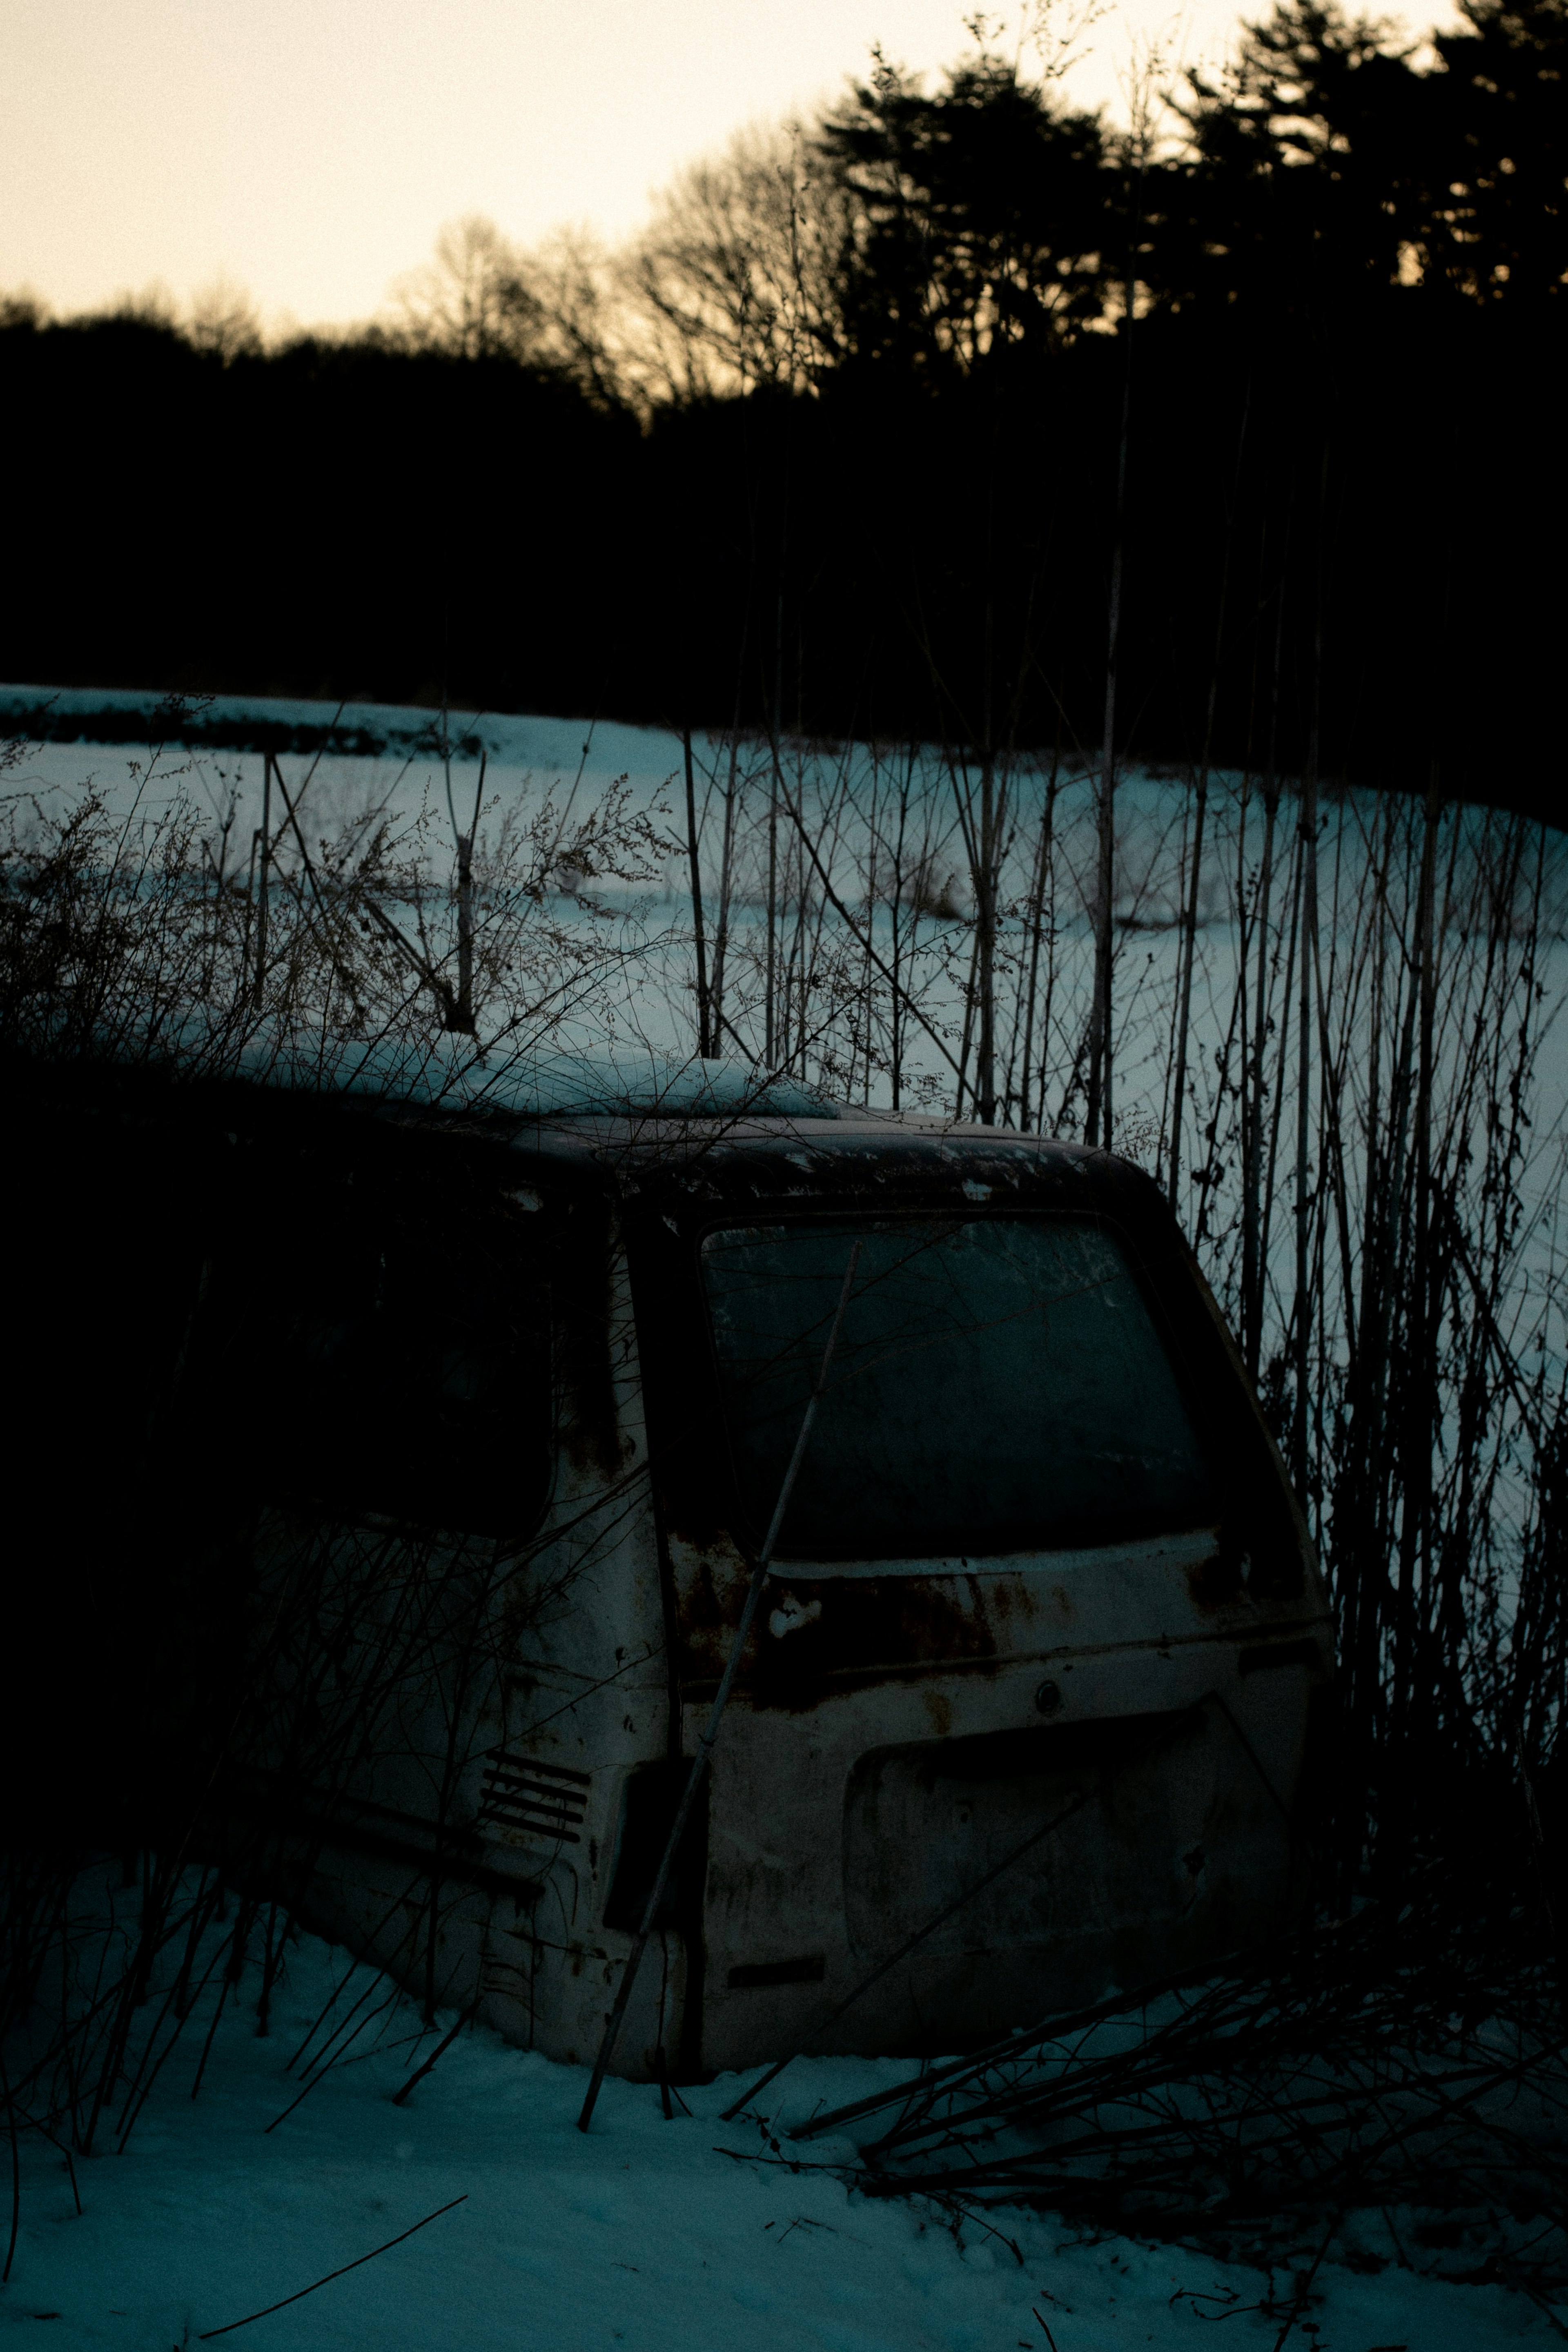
543 745
450 1074
383 757
643 2232
392 767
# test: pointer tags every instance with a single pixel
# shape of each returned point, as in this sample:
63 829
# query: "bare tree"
734 283
223 322
474 301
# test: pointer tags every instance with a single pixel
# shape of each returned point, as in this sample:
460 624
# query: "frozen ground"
643 2233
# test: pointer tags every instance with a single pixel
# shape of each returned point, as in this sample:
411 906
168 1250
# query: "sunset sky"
309 150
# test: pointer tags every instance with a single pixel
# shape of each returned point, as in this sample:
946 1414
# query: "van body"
1023 1716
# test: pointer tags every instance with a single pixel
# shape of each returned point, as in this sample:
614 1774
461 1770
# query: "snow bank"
643 2233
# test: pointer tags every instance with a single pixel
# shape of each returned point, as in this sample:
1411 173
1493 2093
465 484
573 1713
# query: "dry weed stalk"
245 1651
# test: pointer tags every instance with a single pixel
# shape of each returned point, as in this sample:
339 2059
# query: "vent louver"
547 1801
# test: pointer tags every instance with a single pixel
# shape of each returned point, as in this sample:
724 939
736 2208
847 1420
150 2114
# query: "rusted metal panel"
821 1631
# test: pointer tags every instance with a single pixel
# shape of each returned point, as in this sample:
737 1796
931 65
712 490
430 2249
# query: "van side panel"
586 1707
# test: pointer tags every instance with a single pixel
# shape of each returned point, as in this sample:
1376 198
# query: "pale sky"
309 150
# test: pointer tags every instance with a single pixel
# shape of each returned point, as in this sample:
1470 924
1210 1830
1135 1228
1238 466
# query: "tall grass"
1337 1047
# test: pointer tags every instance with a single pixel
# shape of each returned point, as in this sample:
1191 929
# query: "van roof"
454 1074
639 1121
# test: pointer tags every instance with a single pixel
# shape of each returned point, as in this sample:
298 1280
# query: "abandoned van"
1022 1718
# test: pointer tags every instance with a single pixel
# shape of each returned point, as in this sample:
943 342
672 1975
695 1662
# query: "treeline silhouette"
855 438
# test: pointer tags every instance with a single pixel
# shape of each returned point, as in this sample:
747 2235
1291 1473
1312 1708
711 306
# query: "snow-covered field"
645 2233
393 766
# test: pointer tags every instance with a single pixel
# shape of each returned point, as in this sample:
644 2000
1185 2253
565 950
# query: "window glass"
998 1385
395 1342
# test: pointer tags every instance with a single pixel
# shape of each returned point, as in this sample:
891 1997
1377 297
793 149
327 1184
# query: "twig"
323 2066
709 1740
15 2176
209 2333
1035 1838
399 2097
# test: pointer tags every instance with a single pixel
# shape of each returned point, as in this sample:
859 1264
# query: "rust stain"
855 1625
939 1706
710 1582
1009 1603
